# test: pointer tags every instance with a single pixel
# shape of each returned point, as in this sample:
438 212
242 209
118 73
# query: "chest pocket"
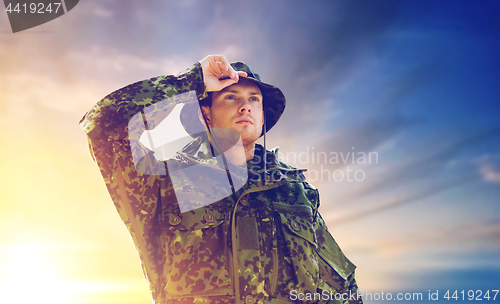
301 243
197 260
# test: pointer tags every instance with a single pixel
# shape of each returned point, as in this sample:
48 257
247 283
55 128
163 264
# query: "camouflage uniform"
267 244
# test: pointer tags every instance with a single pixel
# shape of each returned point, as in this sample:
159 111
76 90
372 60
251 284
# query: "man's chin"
248 134
248 139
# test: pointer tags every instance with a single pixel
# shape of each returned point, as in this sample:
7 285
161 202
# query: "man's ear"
205 110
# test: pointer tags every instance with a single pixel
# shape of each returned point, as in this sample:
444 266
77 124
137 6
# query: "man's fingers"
242 74
213 65
220 67
227 70
218 73
226 82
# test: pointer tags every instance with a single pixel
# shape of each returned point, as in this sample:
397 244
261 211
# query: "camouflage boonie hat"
274 103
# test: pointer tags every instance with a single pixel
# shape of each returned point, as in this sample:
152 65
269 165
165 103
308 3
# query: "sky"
392 106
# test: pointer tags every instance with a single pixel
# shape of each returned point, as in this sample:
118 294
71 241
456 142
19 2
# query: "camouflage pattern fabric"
261 245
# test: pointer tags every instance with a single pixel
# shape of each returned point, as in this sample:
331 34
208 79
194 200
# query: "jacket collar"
199 151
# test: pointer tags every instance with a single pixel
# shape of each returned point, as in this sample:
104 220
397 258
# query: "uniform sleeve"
336 270
135 193
108 117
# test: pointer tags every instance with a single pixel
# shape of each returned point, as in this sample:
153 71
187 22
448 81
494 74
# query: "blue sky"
414 81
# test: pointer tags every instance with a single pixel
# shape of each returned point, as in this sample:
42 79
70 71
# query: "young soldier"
224 220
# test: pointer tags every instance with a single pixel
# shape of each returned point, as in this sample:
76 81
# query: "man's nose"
245 107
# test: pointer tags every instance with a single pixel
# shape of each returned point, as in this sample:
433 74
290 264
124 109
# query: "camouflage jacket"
266 244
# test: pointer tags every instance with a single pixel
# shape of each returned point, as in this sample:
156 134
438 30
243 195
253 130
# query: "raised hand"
218 73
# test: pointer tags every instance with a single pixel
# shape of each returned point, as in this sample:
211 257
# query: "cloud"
489 168
419 195
101 12
490 173
72 84
465 246
424 161
410 260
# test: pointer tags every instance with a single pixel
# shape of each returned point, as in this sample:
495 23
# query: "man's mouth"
245 121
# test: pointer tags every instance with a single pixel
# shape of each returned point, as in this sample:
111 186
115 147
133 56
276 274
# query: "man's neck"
240 154
249 151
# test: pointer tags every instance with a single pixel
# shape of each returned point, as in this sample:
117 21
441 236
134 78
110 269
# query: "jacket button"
174 220
295 225
209 217
244 201
249 299
115 147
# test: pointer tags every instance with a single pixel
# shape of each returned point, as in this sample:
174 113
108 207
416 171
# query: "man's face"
238 107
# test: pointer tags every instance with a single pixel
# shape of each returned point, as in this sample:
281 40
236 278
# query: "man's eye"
231 97
254 99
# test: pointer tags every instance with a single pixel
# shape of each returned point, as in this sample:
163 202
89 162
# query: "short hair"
207 101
